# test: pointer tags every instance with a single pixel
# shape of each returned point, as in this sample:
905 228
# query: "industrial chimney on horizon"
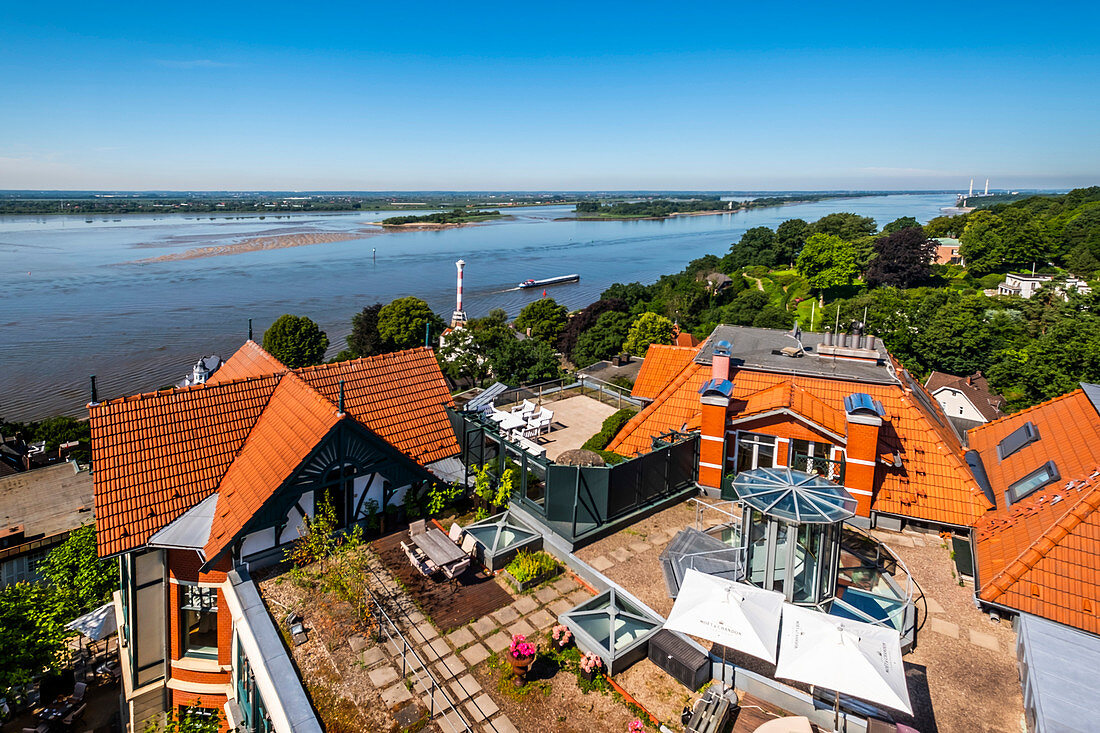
458 318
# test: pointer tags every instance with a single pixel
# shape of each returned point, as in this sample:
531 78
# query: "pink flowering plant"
591 662
521 648
635 726
561 634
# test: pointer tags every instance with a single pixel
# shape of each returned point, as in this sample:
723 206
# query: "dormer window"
1037 479
1022 436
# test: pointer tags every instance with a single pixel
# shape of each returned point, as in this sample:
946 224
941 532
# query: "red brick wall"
184 565
210 702
859 477
713 424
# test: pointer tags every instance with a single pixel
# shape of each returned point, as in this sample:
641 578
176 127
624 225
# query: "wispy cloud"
192 64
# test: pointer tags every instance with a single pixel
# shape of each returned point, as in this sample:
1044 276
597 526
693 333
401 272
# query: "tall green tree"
844 225
902 259
791 237
545 319
603 340
364 339
525 362
82 579
296 341
828 261
32 632
648 328
585 319
905 222
405 321
757 246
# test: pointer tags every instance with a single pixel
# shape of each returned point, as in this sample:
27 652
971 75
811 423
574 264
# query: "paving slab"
985 641
372 656
449 667
464 687
382 677
541 620
461 637
503 725
546 594
525 605
451 722
602 563
475 654
439 648
498 641
639 547
358 643
505 615
426 631
621 555
944 627
561 606
579 596
521 627
565 584
480 708
484 626
933 605
395 694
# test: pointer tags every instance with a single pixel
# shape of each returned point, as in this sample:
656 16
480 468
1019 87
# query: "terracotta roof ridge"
317 395
359 360
152 394
1044 403
652 407
1047 541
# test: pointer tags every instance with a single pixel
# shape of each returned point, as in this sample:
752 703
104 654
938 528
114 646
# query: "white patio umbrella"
735 615
858 659
97 624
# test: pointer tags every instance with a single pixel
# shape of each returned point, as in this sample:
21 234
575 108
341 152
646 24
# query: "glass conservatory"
614 627
500 537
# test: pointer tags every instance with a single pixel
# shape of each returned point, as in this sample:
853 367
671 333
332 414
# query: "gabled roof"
975 388
1041 554
249 361
934 483
660 366
157 455
790 398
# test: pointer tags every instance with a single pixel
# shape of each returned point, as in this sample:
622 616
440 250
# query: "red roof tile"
934 483
249 361
159 454
660 366
1040 555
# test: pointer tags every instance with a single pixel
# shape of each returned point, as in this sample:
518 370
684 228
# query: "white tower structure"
458 318
971 188
986 187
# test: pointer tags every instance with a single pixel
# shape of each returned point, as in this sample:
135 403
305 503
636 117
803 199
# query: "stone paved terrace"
576 419
969 662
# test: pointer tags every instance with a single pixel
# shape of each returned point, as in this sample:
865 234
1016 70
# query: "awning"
97 624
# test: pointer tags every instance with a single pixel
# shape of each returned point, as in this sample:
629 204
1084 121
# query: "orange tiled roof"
159 454
787 395
1042 554
686 339
293 423
399 396
660 366
249 361
934 483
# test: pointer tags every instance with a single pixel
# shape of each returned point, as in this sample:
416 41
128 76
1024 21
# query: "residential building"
947 251
967 401
835 405
32 527
1025 286
203 369
195 486
1037 549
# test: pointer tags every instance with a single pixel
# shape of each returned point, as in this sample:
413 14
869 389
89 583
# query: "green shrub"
784 278
530 565
991 281
611 427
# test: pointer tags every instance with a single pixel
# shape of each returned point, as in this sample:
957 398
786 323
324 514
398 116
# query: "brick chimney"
715 401
864 417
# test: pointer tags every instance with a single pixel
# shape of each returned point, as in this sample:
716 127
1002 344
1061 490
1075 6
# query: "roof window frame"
1027 433
1012 496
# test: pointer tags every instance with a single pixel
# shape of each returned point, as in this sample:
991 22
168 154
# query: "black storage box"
680 659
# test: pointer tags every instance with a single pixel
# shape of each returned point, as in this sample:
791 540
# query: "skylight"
1040 477
1024 435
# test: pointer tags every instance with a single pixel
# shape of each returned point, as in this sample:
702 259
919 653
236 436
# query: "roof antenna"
95 394
249 329
340 403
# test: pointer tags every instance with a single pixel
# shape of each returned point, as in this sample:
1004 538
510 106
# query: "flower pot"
590 676
520 667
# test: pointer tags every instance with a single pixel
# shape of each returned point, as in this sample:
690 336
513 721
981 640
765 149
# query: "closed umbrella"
858 659
97 624
732 614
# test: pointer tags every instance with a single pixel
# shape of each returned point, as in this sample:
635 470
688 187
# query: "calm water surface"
73 302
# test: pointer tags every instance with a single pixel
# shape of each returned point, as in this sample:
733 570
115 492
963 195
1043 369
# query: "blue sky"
551 96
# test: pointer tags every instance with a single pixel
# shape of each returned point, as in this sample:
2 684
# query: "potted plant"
520 655
561 636
591 664
635 726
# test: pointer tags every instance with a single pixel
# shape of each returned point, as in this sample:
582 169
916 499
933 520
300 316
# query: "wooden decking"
754 712
477 594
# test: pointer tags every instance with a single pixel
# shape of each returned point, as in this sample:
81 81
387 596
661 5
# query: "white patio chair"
417 527
469 545
456 533
453 572
525 407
